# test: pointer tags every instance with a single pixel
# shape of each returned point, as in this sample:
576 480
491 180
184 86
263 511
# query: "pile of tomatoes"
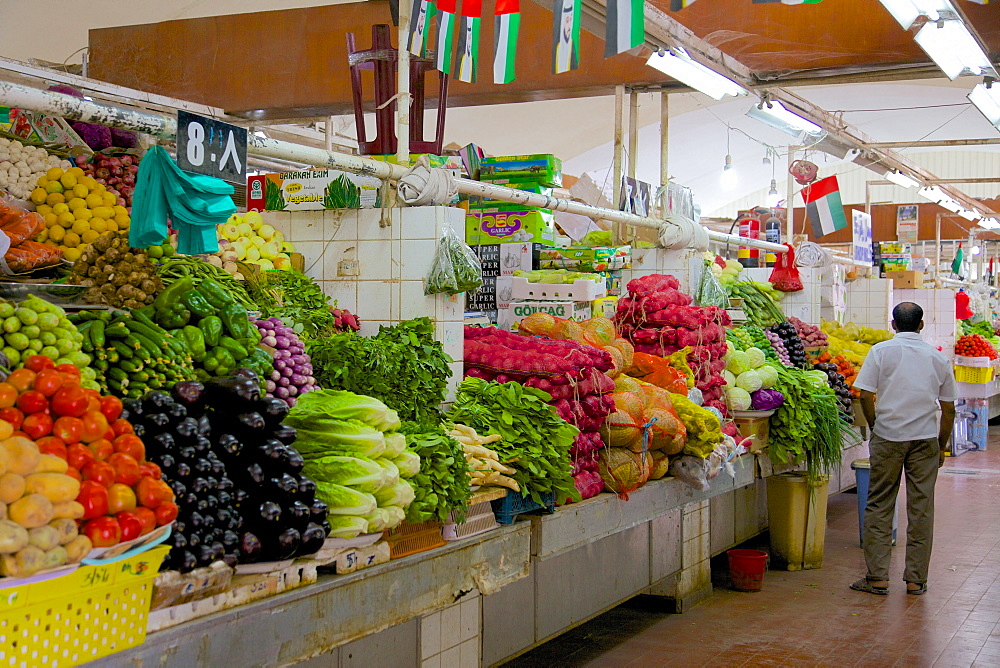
974 345
122 495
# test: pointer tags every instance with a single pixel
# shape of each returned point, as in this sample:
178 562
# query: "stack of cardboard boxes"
497 222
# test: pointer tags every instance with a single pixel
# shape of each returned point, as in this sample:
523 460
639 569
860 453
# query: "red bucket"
747 568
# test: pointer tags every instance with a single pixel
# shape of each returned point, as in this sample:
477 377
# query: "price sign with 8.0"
208 146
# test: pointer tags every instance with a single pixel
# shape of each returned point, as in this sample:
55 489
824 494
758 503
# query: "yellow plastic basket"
90 613
973 374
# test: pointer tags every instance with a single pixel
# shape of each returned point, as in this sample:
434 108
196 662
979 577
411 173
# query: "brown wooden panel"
293 63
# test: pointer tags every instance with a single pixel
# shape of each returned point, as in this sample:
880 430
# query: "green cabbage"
360 473
408 463
757 357
400 494
341 405
395 443
737 399
738 362
346 526
341 437
342 500
729 378
768 376
749 381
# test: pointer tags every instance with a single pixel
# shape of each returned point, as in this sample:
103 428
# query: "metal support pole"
790 199
633 132
664 137
403 88
616 183
937 247
868 197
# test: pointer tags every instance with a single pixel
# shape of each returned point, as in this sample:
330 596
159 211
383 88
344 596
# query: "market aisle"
811 618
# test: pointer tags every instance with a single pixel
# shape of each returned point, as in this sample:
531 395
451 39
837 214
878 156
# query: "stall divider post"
403 87
616 184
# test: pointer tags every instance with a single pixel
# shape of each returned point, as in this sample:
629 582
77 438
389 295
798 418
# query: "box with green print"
510 225
312 190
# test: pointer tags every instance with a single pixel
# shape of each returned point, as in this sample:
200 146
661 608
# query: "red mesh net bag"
785 276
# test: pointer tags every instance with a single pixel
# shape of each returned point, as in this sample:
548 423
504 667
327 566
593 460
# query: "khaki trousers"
889 459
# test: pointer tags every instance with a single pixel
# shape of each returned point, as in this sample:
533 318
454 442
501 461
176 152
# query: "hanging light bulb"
767 158
729 176
772 195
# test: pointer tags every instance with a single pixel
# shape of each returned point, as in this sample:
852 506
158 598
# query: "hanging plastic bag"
785 275
455 268
710 290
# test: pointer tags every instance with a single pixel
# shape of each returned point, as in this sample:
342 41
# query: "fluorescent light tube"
989 224
953 48
679 65
932 193
950 204
904 11
987 100
901 179
969 214
778 117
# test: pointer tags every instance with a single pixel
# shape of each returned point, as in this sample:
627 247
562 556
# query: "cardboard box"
312 190
535 188
515 312
499 262
605 307
544 168
499 227
906 279
586 258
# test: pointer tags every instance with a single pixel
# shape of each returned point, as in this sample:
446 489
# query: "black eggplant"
177 540
326 527
199 486
180 489
167 463
285 545
190 500
177 412
273 409
182 471
139 429
312 539
188 454
229 444
133 406
221 391
269 512
155 422
224 484
230 540
188 393
276 454
218 549
194 539
295 460
187 561
212 501
202 465
206 554
223 516
218 468
250 548
231 559
202 506
285 434
202 444
244 372
179 526
286 485
225 498
204 426
240 496
156 400
307 489
318 511
162 442
251 424
256 473
298 515
186 431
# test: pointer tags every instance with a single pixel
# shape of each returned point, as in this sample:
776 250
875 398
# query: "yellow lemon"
89 236
51 220
38 195
83 214
112 226
100 188
81 226
120 210
54 198
43 236
54 174
88 182
57 234
123 219
68 180
42 182
76 204
54 187
77 172
72 254
94 200
71 240
43 209
80 190
61 207
99 225
104 212
109 200
124 226
66 220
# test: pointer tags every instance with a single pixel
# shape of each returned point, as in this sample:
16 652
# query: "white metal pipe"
403 87
57 104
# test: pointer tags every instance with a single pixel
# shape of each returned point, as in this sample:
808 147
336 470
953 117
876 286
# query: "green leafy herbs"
442 484
534 439
402 365
455 268
295 298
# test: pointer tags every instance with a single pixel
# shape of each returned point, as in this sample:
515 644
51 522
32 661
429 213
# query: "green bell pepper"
197 304
172 293
215 294
196 342
227 363
173 316
233 346
211 327
237 322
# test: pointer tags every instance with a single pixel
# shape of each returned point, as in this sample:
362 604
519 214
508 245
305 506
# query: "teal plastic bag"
194 203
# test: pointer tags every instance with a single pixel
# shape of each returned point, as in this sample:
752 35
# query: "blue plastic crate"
509 507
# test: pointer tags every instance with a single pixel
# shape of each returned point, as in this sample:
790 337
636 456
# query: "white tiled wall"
450 638
870 302
939 315
388 285
647 261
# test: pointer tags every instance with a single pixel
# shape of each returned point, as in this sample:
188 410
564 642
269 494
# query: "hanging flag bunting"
507 22
626 26
421 14
565 35
678 5
467 60
956 265
444 50
824 206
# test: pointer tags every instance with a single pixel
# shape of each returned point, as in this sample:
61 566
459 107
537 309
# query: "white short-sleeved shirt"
909 377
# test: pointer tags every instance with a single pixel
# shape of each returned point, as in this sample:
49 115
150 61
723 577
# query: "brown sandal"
866 586
919 591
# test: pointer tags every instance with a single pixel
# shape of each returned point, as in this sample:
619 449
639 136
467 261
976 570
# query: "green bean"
174 268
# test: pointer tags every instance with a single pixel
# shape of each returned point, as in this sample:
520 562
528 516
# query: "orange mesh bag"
31 255
657 371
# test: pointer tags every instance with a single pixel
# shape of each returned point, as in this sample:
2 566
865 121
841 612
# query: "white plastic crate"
580 290
961 360
479 519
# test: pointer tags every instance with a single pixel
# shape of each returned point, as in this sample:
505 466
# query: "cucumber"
112 356
116 331
97 333
121 348
116 373
149 332
131 366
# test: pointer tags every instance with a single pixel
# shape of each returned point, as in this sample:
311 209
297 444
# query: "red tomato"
94 426
37 425
39 363
111 407
93 400
126 468
101 472
32 401
166 513
102 449
120 497
69 370
12 415
78 456
130 524
8 395
131 444
152 492
70 400
69 429
52 445
103 531
147 517
74 473
48 381
94 498
22 379
150 470
121 426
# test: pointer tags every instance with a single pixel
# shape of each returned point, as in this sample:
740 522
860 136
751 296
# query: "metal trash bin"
862 474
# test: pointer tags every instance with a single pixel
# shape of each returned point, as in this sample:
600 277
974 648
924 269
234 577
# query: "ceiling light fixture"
932 193
990 224
986 97
908 11
729 176
777 116
772 195
676 62
950 204
976 250
901 179
953 48
969 214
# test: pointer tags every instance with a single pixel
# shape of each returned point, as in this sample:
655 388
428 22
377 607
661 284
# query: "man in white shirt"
911 380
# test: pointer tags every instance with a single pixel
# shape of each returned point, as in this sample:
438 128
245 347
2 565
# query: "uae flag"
507 23
421 13
824 207
626 26
444 48
678 5
467 59
956 264
565 35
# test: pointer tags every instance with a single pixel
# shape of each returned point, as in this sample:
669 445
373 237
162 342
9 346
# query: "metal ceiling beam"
934 142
